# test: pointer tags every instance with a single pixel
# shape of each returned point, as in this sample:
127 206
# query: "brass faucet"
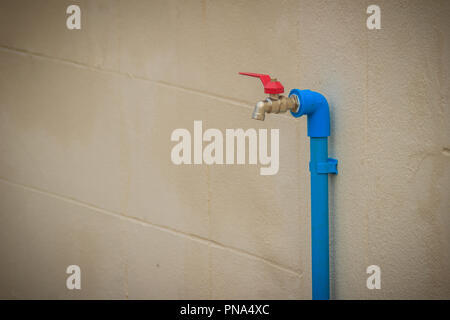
275 102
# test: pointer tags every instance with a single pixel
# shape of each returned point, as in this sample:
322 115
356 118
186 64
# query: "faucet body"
275 103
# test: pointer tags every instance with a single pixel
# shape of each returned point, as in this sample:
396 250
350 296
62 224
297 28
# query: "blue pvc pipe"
319 221
315 106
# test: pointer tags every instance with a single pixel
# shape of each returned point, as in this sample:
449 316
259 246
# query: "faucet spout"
259 113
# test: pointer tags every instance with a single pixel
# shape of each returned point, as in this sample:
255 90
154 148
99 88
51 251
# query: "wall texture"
85 170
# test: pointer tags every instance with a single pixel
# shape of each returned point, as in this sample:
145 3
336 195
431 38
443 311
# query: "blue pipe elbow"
316 107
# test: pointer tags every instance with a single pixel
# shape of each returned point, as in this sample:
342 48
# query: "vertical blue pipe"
319 221
315 106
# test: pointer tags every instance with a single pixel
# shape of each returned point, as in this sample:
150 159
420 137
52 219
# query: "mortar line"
77 64
167 229
125 74
121 73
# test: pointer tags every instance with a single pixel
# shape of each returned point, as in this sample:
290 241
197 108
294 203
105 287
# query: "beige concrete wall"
85 170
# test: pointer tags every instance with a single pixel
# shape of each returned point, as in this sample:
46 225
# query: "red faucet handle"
271 86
